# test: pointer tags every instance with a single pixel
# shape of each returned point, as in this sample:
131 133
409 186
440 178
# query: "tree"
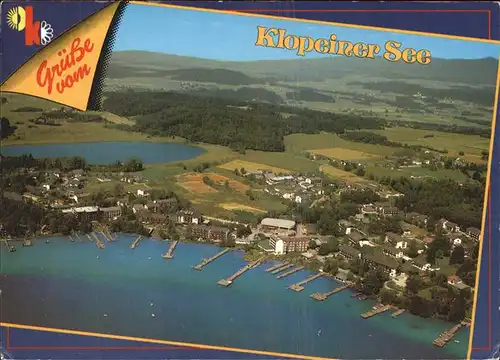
314 265
431 256
412 249
6 129
331 266
312 244
387 296
323 249
457 255
441 279
243 231
333 244
458 309
372 282
420 306
413 284
133 165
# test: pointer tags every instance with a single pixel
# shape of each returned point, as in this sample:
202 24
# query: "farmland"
343 154
306 142
338 174
194 183
471 145
239 207
252 167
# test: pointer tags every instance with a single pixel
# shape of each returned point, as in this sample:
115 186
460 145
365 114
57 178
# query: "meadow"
470 145
297 143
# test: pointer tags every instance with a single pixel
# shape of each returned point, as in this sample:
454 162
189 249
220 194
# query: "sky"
231 37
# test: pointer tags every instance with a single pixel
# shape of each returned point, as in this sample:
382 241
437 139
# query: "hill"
474 72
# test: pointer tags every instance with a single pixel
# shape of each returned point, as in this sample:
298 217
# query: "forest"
218 121
243 94
459 203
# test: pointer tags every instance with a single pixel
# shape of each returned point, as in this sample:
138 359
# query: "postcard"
248 183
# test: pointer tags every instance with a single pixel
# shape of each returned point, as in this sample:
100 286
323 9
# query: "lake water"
73 285
102 153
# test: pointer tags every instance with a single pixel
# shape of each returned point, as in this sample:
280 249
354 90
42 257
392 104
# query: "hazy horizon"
231 37
297 58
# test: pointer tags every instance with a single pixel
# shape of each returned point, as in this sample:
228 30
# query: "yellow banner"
64 70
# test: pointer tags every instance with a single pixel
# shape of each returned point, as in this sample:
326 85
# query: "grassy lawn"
445 267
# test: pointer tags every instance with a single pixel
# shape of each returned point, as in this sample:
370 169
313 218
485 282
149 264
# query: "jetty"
324 296
136 242
275 267
300 285
170 253
205 262
281 268
446 336
397 313
290 272
377 310
98 241
228 281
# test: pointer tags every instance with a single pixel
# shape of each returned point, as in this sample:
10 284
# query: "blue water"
72 285
102 153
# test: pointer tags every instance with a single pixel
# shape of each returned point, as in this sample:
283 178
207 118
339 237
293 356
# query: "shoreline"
277 288
243 254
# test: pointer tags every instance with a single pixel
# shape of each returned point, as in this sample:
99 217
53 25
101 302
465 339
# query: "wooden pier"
290 272
281 268
446 336
376 311
228 281
170 253
397 313
275 267
98 241
136 242
300 285
324 296
205 262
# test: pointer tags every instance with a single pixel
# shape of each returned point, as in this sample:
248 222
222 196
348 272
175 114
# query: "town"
371 245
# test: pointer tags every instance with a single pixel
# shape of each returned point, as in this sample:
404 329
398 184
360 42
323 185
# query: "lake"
103 153
135 292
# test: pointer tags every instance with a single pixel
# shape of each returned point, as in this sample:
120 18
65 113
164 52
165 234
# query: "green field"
281 160
471 145
418 172
300 142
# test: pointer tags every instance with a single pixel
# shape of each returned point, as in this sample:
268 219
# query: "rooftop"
83 209
112 208
279 223
293 238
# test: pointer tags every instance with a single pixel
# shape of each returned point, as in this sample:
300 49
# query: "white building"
143 192
298 199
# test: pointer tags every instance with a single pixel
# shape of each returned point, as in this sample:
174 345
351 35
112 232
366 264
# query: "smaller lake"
103 153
